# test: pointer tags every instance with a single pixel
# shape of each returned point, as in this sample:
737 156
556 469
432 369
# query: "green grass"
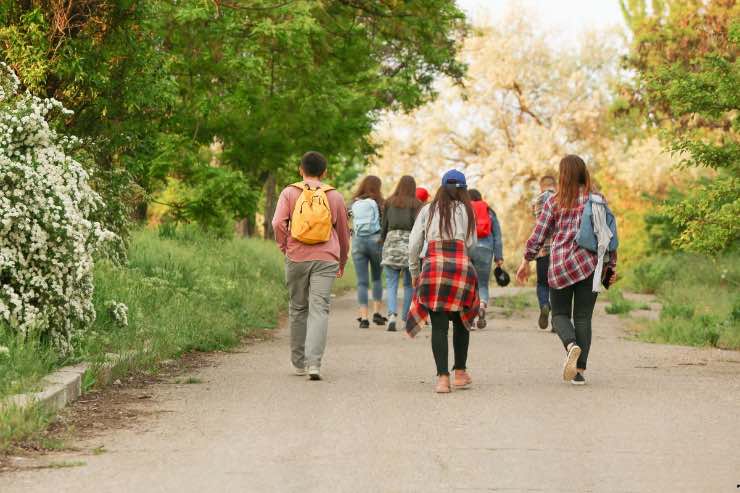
619 305
23 425
197 294
515 303
184 293
25 363
700 297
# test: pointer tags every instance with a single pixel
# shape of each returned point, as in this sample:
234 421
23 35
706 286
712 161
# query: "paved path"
652 419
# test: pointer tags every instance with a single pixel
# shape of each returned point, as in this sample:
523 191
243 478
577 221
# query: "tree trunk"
246 227
140 211
270 204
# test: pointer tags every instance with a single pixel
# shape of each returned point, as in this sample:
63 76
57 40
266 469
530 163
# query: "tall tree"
103 61
272 80
685 55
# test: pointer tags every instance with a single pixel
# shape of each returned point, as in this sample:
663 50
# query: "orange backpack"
311 221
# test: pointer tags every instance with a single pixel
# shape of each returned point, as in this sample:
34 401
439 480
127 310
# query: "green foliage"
24 426
700 297
660 228
103 60
686 57
25 363
190 293
708 217
619 305
152 84
514 303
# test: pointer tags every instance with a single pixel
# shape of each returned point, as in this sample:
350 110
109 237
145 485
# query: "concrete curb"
64 386
59 389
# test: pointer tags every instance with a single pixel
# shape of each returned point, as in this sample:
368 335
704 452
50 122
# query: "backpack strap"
595 198
305 186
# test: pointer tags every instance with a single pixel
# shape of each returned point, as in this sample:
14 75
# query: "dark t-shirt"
398 218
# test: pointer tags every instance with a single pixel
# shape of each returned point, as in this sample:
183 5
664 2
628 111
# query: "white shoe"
570 366
301 372
314 373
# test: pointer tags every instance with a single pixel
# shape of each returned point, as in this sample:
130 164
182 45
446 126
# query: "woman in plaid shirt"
571 267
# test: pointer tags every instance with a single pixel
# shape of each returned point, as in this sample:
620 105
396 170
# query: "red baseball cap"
422 194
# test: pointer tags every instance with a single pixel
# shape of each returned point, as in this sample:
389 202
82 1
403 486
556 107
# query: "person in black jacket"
399 215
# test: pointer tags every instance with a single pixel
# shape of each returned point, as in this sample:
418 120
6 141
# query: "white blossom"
47 235
119 312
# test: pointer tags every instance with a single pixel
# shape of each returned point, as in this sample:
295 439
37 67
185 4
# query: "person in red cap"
422 194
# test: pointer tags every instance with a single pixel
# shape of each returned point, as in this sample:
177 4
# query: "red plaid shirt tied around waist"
448 282
569 263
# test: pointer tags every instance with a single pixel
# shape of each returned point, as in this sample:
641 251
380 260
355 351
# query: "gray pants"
309 286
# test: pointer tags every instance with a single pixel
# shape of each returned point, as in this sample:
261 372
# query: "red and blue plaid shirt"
569 263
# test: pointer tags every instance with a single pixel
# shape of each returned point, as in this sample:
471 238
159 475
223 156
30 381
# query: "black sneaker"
379 319
578 379
364 323
544 317
481 323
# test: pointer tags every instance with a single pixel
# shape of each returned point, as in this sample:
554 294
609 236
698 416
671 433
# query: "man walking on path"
311 229
547 188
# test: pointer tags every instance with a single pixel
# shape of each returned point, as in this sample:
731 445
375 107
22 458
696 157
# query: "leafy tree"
685 54
274 79
154 83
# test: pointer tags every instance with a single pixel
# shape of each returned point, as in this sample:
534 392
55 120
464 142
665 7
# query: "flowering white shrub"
119 312
47 237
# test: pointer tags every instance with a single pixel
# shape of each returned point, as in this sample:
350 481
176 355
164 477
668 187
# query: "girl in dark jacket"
399 215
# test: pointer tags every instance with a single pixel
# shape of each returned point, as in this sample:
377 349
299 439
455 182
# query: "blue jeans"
482 258
391 280
366 250
543 288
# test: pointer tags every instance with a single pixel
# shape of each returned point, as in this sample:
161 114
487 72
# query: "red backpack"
483 224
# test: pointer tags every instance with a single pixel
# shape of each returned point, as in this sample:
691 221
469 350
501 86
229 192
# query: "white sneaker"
314 373
301 372
570 368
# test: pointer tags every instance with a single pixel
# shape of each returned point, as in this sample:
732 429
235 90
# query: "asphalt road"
651 419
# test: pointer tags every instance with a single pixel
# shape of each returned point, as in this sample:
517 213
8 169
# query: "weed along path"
652 419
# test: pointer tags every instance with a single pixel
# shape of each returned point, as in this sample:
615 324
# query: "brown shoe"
462 379
443 384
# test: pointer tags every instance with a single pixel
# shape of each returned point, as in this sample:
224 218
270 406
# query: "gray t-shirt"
421 234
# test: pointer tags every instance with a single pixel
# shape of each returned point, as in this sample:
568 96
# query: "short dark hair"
475 194
549 178
313 163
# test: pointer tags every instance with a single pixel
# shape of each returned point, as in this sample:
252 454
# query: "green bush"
619 305
649 276
671 311
700 297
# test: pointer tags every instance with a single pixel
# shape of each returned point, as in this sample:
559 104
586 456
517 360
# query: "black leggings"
460 340
572 309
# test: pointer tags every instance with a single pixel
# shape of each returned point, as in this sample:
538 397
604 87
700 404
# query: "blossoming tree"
47 232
